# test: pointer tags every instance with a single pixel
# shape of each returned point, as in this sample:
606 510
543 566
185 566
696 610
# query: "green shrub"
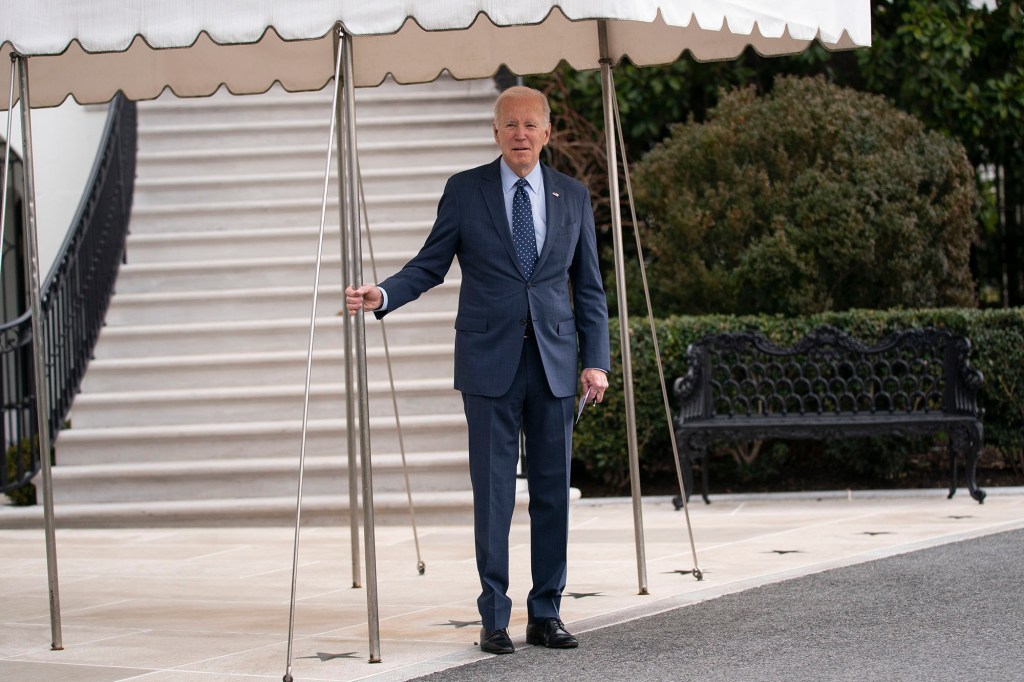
809 199
997 340
18 459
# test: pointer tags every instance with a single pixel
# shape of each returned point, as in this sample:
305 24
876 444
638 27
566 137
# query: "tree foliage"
960 69
955 64
808 199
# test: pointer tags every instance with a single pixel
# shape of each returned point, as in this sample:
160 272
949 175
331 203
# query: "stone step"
199 188
217 244
257 478
264 140
253 304
444 96
274 213
248 440
432 508
148 407
420 361
249 273
268 335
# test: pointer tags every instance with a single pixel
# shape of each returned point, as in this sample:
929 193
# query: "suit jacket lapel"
495 201
554 202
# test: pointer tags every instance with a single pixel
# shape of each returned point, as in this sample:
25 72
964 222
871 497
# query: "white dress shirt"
536 193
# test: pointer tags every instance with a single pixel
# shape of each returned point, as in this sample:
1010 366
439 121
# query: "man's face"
521 131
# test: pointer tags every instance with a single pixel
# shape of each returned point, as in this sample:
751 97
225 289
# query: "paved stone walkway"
206 604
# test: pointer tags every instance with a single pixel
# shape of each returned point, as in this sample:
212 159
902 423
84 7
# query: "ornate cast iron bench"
740 387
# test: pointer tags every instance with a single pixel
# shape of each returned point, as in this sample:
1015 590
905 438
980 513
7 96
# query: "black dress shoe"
496 641
551 633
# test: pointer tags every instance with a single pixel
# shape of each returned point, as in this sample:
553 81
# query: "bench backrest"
742 374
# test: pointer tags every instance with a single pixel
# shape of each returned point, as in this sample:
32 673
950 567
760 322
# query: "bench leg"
953 455
686 468
704 477
687 457
966 440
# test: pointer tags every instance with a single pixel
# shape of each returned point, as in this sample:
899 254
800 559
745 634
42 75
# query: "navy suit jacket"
565 295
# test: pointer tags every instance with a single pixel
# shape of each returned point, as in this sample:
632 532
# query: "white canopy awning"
92 50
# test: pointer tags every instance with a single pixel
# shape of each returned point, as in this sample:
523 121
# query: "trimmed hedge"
997 340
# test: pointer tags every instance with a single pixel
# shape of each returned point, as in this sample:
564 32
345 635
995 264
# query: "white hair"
522 92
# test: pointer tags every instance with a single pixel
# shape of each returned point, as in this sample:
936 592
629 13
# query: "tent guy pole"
421 566
353 232
309 372
697 573
607 92
39 351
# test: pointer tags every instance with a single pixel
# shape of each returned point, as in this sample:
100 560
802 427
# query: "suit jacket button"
529 286
522 322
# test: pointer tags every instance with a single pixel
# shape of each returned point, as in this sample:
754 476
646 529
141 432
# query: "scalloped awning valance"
92 50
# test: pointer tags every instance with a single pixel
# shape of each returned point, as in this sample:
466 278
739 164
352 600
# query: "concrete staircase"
191 411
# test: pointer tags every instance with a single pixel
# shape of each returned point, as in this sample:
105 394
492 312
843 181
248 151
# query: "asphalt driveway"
952 612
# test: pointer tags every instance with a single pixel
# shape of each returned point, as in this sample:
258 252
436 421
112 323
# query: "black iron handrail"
74 303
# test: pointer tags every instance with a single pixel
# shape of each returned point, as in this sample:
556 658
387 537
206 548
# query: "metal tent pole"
356 257
7 158
348 330
607 92
39 351
309 371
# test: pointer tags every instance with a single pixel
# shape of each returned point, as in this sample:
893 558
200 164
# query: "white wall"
65 140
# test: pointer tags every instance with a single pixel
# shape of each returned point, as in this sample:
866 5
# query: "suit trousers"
494 426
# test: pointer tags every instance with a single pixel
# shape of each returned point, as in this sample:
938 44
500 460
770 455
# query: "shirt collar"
509 178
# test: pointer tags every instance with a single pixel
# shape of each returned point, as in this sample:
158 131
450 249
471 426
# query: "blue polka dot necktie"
523 235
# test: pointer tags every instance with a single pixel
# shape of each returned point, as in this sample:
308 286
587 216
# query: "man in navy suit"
532 312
